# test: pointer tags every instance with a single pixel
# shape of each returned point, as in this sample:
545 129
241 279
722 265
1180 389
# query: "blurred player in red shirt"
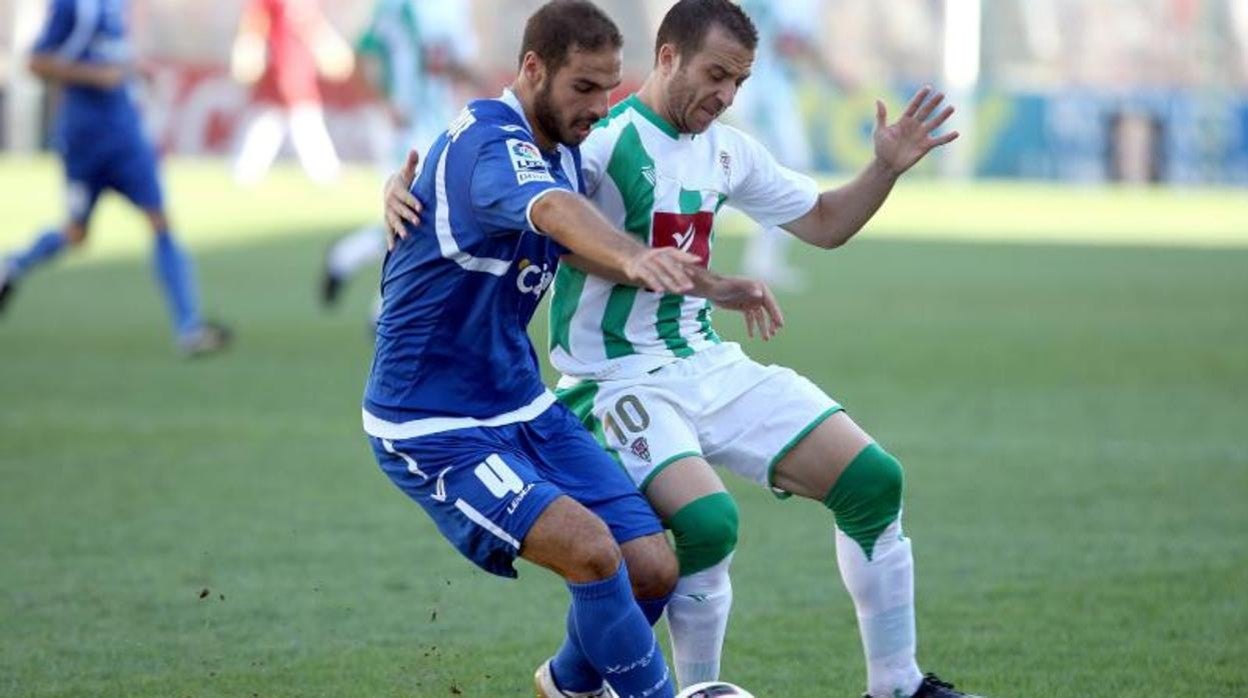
282 47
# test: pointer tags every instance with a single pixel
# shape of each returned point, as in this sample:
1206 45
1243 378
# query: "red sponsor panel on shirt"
690 232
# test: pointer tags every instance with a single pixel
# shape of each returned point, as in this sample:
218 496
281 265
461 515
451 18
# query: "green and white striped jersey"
664 188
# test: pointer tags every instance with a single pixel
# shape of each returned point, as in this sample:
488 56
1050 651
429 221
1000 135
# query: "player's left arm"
838 214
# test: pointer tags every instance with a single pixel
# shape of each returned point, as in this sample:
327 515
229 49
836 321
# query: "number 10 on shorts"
631 414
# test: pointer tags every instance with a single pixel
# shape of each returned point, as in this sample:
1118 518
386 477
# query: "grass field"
1064 373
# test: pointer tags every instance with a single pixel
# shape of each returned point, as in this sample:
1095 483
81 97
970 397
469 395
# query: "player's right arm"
57 54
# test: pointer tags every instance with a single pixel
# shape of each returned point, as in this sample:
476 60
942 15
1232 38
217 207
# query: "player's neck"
654 97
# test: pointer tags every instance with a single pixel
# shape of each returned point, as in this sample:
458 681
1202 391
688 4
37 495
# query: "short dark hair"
561 26
688 22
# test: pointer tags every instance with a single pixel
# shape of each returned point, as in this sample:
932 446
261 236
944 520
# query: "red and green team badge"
641 448
690 232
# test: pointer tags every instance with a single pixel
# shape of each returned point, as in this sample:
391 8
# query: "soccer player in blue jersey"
99 136
455 407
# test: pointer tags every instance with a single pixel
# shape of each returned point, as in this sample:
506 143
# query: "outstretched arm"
838 214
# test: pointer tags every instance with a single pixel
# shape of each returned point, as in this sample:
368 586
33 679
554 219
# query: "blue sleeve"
56 28
508 175
69 28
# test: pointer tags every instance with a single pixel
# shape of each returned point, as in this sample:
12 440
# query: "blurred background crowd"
1073 90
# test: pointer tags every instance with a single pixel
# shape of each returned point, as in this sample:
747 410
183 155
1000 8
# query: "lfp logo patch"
528 162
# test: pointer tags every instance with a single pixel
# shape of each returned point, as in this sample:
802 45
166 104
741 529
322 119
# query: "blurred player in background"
281 48
788 43
416 54
99 135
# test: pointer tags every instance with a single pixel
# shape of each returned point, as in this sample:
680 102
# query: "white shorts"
718 404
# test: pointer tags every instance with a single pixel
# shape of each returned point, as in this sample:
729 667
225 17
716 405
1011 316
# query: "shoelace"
935 681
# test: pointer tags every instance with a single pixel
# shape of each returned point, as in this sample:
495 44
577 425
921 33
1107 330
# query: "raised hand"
901 144
399 203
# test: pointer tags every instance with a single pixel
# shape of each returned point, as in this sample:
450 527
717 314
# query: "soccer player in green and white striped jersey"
651 378
648 373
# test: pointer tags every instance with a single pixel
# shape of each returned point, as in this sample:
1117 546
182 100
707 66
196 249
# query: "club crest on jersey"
533 278
725 163
690 232
641 448
528 162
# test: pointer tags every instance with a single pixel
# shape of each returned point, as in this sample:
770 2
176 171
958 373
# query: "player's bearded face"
570 101
705 84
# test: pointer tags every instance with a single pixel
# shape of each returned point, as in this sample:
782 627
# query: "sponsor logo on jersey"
528 162
690 232
648 173
515 501
534 278
641 448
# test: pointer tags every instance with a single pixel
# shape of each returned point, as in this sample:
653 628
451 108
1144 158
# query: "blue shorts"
128 167
486 487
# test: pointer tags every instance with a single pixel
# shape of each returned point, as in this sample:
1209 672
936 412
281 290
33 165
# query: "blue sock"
569 667
48 245
617 640
572 671
177 281
653 608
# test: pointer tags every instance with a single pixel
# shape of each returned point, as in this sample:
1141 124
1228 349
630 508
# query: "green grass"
1071 417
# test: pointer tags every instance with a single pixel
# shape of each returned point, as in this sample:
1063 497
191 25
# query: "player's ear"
533 69
668 59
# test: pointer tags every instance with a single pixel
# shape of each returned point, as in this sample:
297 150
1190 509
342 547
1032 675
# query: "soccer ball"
714 689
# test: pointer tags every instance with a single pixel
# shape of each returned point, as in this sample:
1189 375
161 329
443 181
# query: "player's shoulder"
485 121
729 135
738 144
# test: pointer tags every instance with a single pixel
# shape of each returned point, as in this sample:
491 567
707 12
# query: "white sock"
697 618
883 593
353 251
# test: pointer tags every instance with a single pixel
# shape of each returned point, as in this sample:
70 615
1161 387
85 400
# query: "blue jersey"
459 291
91 31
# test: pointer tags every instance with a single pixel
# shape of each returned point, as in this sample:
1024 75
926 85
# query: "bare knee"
592 554
573 543
652 566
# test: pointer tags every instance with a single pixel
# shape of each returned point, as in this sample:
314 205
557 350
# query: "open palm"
901 144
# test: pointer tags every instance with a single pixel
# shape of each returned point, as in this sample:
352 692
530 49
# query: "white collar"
509 98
